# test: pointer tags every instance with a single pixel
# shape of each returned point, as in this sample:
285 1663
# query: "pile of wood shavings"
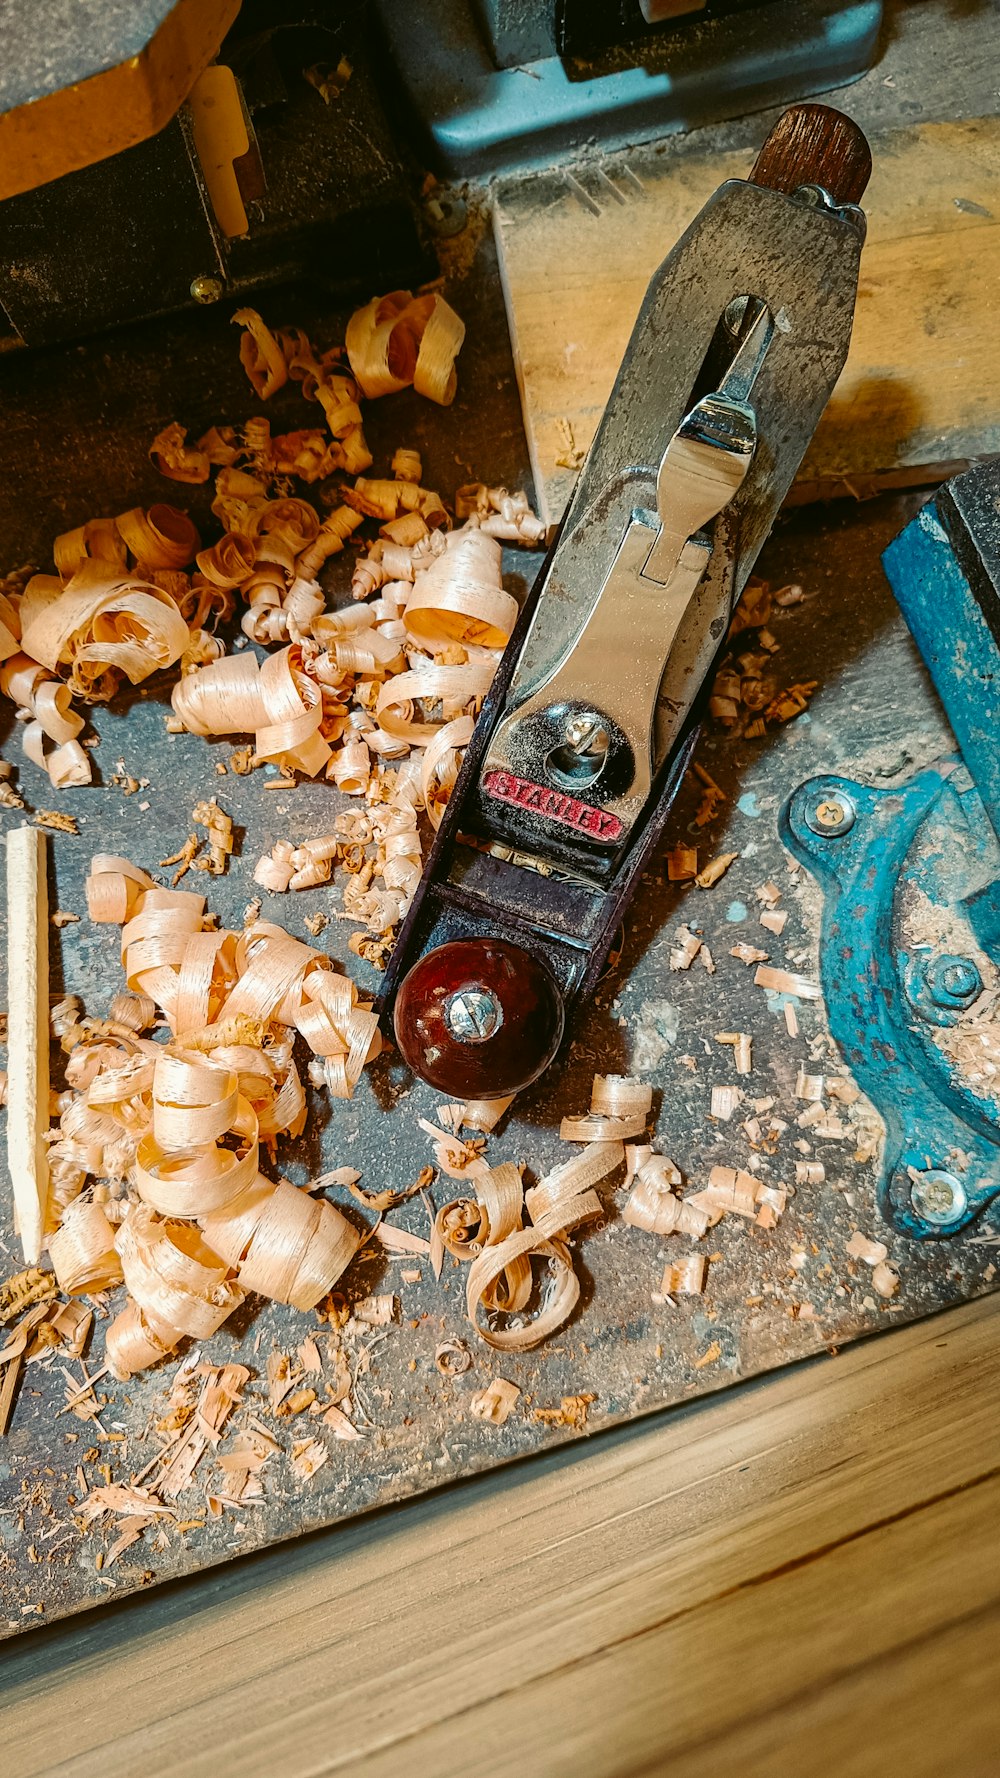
395 681
745 697
182 1122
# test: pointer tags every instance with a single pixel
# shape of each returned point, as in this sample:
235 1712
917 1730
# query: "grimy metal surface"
772 1297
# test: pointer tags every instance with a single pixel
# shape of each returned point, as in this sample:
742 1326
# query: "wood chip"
860 1246
682 864
495 1402
308 1456
885 1278
843 1090
342 1425
685 948
809 1086
685 1277
713 872
572 1411
747 953
375 1311
791 1019
809 1173
782 981
725 1100
399 1240
774 919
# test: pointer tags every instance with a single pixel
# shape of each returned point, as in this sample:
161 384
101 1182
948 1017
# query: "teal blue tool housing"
911 881
478 118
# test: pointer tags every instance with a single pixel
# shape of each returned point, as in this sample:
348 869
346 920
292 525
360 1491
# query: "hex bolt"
834 814
938 1196
473 1015
953 982
207 288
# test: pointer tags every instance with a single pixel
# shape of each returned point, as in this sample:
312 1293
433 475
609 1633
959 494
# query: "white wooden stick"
28 1034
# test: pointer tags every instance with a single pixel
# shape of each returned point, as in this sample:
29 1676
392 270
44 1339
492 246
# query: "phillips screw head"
937 1196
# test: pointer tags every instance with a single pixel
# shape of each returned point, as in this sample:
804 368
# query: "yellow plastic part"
78 125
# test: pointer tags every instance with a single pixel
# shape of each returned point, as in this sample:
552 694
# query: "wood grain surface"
798 1577
578 247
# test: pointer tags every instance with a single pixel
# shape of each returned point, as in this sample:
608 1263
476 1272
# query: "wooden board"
796 1578
578 246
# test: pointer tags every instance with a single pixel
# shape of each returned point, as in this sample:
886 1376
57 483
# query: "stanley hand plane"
594 713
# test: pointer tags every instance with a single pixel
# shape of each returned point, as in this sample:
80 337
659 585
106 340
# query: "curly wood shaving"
500 1276
283 1243
564 1182
730 1191
104 626
452 1358
459 597
500 514
654 1205
176 459
260 354
82 1250
485 1114
398 340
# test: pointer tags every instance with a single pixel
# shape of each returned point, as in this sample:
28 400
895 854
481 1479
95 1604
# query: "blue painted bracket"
911 918
890 998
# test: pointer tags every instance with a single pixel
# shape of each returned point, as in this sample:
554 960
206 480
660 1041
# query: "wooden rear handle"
815 145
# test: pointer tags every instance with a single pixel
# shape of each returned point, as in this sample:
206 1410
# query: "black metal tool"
593 716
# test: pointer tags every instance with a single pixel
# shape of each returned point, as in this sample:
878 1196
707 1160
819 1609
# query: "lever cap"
479 1018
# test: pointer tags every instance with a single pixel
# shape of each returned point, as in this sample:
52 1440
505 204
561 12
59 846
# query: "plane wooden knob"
479 1018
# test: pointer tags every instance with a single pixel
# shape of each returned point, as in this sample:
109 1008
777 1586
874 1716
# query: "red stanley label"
597 824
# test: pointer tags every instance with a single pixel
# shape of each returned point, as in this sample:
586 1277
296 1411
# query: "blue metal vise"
910 955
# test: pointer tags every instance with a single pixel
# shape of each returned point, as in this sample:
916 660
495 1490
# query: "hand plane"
594 713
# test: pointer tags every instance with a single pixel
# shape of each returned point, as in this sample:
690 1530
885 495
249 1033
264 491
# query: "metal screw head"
207 288
586 733
833 815
446 213
473 1015
939 1197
